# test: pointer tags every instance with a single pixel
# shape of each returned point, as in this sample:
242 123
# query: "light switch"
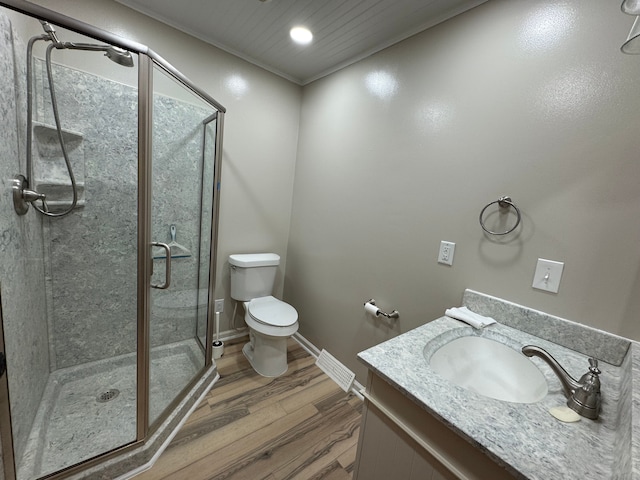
548 274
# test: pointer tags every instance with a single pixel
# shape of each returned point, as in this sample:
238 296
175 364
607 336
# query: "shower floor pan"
90 409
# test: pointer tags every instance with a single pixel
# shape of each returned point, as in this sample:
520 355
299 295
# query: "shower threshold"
81 415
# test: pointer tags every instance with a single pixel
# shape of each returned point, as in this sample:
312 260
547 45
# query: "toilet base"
267 355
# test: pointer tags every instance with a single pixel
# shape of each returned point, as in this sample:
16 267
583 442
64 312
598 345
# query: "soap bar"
564 414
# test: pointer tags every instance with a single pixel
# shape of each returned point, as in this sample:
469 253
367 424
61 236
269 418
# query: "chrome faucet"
583 395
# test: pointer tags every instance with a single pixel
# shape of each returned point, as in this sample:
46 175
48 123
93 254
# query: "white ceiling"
345 31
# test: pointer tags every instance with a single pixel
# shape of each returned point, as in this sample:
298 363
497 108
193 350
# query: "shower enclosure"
108 224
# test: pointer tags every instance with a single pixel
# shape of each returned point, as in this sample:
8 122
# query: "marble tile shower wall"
21 255
91 254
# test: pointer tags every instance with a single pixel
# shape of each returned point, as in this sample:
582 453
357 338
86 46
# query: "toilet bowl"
271 321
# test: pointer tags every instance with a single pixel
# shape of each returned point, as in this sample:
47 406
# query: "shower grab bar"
504 203
167 271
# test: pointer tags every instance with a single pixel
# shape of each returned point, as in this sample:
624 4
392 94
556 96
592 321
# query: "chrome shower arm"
82 46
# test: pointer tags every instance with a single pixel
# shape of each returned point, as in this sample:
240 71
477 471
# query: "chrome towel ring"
503 202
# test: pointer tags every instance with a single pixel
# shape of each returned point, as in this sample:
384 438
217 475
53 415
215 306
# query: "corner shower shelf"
47 135
51 176
60 194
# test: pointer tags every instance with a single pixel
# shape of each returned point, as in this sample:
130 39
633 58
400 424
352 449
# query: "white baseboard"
233 334
307 345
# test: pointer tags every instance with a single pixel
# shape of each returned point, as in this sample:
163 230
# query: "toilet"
271 321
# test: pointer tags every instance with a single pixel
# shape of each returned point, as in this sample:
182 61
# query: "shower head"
120 56
115 54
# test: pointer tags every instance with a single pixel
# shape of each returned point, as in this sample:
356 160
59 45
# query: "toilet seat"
270 316
271 311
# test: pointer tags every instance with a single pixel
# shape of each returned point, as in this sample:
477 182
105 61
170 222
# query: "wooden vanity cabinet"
401 441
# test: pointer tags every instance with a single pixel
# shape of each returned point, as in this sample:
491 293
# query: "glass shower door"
181 219
68 283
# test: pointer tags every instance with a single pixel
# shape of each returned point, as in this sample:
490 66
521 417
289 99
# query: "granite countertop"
525 438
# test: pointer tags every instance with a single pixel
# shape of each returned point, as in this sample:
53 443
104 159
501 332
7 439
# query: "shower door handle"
167 271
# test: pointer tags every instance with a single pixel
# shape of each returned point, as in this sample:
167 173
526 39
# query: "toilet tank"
252 275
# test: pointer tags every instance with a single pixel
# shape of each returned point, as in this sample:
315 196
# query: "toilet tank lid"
254 259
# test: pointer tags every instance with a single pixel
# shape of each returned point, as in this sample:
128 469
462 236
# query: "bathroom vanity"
419 425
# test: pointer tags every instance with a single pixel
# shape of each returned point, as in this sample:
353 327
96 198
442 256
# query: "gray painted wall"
403 150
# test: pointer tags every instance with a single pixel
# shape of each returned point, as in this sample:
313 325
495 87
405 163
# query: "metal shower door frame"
6 433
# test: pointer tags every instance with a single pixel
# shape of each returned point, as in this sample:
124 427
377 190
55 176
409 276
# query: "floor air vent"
335 370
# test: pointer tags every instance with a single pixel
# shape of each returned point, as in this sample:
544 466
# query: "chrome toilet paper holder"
378 312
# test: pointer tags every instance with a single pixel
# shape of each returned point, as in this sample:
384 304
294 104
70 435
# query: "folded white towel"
464 314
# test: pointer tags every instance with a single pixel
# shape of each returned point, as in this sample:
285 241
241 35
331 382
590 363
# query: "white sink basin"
490 368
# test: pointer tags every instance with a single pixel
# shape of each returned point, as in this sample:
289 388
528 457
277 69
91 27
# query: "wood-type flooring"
297 426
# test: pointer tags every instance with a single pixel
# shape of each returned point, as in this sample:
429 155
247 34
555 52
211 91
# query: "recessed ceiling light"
301 35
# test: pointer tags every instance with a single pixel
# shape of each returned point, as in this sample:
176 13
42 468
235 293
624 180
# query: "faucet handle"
593 366
586 400
590 380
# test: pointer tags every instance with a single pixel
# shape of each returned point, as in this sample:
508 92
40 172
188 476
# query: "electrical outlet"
219 305
445 255
547 275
